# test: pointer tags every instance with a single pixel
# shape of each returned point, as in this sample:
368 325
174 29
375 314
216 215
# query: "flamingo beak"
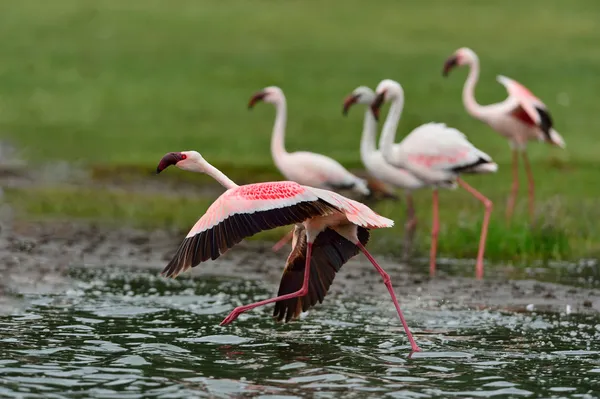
450 64
349 101
376 104
256 98
169 159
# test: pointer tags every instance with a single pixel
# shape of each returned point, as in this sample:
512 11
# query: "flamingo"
303 167
378 167
520 118
243 211
437 154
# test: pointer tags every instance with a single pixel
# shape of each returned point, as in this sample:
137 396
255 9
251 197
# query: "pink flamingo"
303 167
243 211
437 154
379 168
520 118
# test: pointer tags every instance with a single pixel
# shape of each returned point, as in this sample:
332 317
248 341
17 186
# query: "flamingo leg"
484 228
531 186
510 206
301 292
435 229
409 227
388 284
284 240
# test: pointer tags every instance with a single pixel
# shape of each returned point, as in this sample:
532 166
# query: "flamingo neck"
278 137
468 95
368 145
205 167
388 133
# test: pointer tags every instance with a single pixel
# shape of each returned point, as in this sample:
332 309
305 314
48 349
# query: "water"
114 334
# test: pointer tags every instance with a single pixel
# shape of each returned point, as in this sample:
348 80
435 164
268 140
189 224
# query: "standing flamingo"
436 154
520 118
378 167
243 211
303 167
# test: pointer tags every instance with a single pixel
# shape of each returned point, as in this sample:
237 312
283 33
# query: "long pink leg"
435 229
484 228
510 206
388 284
284 240
303 291
531 186
409 226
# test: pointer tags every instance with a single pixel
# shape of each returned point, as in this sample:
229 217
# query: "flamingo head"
387 90
360 95
271 94
462 56
183 160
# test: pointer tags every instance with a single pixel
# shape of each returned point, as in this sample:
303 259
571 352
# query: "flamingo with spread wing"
520 118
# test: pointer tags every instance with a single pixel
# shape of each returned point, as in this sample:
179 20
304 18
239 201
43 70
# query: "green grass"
116 84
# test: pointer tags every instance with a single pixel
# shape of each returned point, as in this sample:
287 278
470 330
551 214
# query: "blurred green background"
113 85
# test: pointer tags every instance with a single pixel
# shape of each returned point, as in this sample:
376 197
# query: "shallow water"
110 334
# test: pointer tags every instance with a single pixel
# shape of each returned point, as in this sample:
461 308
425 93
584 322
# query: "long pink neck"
468 94
202 166
278 137
219 176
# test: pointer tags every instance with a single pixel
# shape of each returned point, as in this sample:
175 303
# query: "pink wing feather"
524 98
246 210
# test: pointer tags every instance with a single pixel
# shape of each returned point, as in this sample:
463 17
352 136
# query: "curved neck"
367 142
202 166
388 133
278 137
468 94
219 176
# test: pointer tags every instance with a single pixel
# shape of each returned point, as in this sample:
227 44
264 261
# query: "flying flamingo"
437 154
378 167
303 167
243 211
520 118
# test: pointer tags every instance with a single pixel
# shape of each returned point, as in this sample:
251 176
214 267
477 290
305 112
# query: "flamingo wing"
528 108
242 212
317 170
330 252
436 146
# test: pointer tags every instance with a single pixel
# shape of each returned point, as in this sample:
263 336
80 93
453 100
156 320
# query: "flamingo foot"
233 315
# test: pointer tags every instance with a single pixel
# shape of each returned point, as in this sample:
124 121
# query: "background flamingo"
379 168
303 167
438 155
243 211
519 118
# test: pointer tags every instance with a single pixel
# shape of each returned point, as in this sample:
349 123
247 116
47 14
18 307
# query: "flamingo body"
317 170
243 211
521 117
307 168
436 154
246 210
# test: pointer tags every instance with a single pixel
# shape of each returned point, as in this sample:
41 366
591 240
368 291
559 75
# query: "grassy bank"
116 84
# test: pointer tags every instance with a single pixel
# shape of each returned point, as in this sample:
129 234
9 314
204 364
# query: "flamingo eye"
183 156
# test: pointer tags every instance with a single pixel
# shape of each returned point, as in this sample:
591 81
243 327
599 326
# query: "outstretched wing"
242 212
528 108
330 252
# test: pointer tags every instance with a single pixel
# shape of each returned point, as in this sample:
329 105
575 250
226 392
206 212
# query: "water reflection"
112 335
